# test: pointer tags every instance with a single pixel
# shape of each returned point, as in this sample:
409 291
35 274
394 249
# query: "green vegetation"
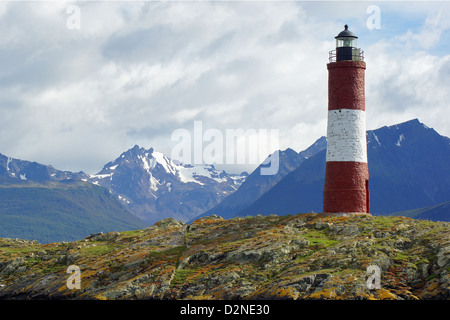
180 276
61 212
132 233
302 257
55 268
384 222
319 238
400 257
97 250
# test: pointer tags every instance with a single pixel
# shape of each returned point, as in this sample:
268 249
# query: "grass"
8 251
304 257
177 251
319 238
172 253
180 276
131 234
436 231
384 222
97 250
56 268
401 257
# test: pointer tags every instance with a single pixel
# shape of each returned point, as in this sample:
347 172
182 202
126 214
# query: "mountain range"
135 190
256 184
154 187
14 171
438 212
408 167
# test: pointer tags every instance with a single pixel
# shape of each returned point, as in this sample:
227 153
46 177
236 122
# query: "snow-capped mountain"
16 170
154 187
149 184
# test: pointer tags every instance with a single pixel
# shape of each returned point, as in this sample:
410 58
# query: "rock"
320 278
322 225
383 262
401 227
443 257
403 244
414 276
11 265
350 230
208 218
424 269
306 256
92 235
300 243
248 256
169 233
110 236
67 259
241 290
133 264
201 257
305 284
212 281
381 234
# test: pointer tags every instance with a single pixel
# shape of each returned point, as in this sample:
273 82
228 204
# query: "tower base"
346 187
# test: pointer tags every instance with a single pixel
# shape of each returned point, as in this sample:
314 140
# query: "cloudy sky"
80 85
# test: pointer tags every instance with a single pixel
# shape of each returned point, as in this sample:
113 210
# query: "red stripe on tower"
346 187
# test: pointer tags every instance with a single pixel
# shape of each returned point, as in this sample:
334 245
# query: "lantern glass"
345 42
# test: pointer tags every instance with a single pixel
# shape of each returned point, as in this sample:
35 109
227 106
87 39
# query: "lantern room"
346 47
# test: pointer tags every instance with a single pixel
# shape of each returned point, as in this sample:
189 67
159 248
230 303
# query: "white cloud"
407 76
136 71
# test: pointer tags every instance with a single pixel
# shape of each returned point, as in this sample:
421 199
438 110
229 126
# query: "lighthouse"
346 187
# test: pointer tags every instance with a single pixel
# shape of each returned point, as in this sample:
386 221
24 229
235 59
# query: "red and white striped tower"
347 175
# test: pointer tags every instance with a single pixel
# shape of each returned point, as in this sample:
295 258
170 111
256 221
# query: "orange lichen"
276 292
328 293
384 294
433 286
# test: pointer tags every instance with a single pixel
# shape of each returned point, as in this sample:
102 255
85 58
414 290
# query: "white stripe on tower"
346 135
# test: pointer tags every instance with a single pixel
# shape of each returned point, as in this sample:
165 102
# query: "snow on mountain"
400 138
15 170
154 187
148 183
149 160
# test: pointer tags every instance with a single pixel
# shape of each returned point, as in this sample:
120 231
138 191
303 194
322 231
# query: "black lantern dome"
346 34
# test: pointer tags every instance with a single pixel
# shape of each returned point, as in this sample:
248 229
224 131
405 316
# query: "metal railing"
357 55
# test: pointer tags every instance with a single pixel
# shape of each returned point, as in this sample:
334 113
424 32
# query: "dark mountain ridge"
408 169
61 211
255 185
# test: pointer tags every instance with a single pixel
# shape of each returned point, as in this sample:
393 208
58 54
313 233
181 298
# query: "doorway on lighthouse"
367 197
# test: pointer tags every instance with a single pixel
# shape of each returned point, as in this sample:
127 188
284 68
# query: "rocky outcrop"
310 256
